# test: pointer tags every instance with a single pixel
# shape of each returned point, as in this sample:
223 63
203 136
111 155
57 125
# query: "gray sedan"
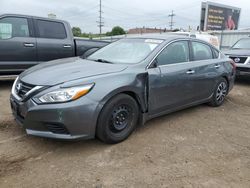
119 87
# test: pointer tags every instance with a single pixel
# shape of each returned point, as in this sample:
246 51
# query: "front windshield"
128 51
242 44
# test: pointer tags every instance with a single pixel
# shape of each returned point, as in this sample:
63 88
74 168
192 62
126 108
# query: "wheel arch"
137 88
128 91
227 80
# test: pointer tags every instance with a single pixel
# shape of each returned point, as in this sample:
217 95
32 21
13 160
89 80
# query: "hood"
238 52
68 69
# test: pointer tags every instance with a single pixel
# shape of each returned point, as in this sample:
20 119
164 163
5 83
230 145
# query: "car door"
171 81
17 44
53 41
206 69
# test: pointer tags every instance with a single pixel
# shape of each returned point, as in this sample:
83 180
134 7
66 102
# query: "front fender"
110 86
136 86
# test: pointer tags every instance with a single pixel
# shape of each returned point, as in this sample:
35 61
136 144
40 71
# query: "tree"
117 30
175 30
108 34
76 31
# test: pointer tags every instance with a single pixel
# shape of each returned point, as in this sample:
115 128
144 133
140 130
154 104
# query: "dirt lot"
197 147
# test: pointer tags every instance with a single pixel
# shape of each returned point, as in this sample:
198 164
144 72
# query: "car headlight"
66 94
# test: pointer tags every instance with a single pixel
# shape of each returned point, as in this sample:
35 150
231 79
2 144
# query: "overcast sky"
125 13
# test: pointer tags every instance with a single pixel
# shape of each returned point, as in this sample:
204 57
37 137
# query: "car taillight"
233 64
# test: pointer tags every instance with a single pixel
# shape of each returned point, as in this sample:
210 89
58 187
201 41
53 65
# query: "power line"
100 22
171 23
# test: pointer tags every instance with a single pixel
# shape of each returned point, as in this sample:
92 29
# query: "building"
146 30
228 38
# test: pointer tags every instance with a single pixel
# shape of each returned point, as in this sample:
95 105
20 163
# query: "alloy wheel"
221 92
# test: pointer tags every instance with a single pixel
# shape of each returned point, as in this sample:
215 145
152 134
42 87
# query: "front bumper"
242 69
67 121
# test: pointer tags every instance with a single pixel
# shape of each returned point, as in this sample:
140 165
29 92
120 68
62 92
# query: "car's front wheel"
220 93
117 119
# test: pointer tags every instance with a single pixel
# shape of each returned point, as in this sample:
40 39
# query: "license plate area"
14 107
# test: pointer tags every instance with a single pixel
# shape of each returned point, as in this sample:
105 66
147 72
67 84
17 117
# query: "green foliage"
76 31
175 30
117 30
109 34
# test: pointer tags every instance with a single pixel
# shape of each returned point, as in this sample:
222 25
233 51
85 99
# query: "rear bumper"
67 121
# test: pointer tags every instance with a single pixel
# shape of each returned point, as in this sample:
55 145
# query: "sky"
125 13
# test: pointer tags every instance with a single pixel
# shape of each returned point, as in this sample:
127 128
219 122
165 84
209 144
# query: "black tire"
117 119
220 93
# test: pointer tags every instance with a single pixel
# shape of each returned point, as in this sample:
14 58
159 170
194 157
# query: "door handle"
217 66
28 44
190 72
67 46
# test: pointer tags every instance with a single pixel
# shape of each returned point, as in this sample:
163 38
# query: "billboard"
219 17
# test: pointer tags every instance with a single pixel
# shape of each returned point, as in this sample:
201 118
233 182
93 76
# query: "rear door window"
13 27
50 29
201 51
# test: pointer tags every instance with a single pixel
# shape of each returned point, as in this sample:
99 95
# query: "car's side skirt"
147 117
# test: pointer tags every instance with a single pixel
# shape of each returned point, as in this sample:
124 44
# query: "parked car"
240 54
121 85
27 40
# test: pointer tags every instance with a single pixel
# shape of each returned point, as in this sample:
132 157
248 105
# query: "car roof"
29 16
164 36
167 37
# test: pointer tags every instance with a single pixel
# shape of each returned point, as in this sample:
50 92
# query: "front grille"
57 128
23 88
236 59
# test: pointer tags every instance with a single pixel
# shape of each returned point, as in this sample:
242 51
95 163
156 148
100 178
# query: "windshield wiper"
103 61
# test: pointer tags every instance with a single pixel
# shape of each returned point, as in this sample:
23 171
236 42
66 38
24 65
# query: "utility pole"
171 23
100 22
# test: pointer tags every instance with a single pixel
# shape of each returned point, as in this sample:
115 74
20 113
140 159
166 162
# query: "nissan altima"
120 86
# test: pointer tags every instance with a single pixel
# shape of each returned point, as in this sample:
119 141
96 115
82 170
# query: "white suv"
240 54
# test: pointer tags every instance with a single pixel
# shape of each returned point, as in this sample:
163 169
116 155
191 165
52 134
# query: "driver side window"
13 27
177 52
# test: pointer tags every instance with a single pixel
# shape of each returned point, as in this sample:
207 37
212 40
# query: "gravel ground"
197 147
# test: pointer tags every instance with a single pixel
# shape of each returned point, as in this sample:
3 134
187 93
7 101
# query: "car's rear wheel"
117 119
220 93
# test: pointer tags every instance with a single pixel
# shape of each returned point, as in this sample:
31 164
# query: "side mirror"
89 52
